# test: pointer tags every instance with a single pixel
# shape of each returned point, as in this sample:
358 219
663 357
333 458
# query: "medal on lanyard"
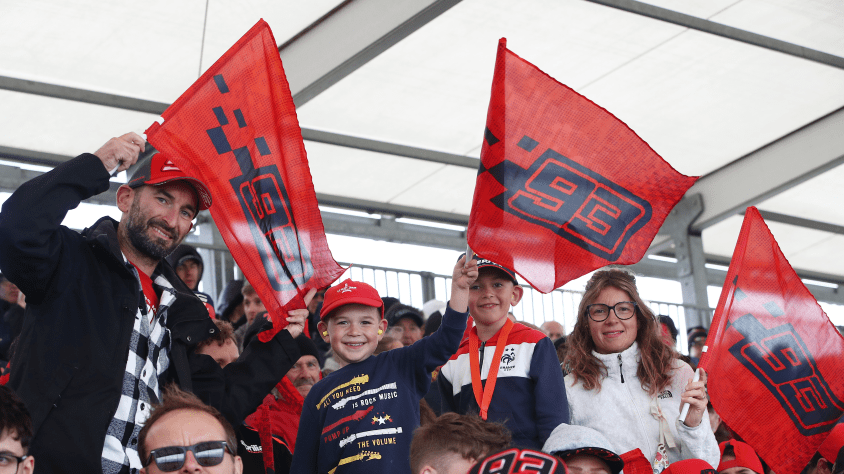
483 395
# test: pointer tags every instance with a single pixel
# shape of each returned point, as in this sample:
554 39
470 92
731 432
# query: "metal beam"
373 207
711 27
715 277
791 160
81 95
349 36
423 154
138 105
11 177
801 222
32 156
387 229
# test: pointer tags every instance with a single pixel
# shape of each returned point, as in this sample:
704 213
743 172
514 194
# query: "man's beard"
137 229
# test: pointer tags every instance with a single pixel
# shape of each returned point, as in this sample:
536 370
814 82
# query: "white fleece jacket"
621 410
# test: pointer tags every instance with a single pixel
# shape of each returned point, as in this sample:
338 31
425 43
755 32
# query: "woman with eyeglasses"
625 382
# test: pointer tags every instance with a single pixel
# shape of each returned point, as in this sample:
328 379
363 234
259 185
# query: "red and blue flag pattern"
564 187
772 354
236 130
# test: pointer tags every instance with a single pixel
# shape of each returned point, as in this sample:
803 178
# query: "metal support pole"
429 291
691 269
223 263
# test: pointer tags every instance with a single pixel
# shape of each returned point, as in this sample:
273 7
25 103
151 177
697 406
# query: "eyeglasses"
172 458
9 462
600 312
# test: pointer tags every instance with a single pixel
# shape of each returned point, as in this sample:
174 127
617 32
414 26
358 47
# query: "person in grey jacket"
629 385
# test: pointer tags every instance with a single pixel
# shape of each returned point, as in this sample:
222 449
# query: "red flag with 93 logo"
564 187
236 130
772 355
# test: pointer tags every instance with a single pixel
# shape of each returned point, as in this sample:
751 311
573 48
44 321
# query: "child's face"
353 332
491 295
587 464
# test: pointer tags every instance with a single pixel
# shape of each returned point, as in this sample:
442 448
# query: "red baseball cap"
349 292
690 466
159 169
745 457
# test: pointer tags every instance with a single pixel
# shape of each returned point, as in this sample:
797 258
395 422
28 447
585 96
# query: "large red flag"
773 356
236 129
564 187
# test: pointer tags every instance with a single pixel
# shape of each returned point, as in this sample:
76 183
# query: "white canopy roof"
411 79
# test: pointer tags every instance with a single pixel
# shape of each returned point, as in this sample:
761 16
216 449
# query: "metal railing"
414 288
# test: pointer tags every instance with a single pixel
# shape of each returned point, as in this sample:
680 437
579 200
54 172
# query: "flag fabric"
772 355
564 187
236 130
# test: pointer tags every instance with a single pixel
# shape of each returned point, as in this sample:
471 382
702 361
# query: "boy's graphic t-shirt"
530 394
360 419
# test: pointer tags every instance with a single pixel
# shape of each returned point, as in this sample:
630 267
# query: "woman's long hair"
657 357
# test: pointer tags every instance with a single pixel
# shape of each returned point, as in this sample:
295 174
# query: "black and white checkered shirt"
148 359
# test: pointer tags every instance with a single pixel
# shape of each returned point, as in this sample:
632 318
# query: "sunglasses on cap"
172 458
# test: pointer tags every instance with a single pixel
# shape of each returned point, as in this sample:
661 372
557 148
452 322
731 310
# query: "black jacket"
81 304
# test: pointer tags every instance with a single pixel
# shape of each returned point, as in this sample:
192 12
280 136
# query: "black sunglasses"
172 458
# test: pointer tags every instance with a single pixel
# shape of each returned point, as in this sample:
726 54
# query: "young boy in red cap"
739 458
505 371
360 418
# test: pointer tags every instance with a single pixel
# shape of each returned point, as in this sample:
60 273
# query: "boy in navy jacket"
505 371
360 419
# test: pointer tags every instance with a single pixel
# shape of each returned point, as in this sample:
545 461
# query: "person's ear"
382 329
517 294
28 465
238 465
428 470
322 327
824 467
125 196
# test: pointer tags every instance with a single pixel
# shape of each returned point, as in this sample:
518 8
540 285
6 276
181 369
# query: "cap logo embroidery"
169 166
347 289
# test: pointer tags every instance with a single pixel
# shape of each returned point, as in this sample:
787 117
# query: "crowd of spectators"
114 361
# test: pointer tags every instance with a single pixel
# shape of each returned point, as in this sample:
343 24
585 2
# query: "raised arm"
30 240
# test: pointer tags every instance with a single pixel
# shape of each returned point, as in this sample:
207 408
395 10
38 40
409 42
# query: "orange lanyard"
483 395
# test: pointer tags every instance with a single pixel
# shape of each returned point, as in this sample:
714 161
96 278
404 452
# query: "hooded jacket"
620 410
82 298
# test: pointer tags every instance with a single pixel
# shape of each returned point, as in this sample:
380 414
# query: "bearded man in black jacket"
108 323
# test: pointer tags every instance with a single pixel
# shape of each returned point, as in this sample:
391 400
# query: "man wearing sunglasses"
183 434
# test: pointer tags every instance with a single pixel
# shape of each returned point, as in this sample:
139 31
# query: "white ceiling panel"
363 174
817 199
450 189
152 52
432 89
805 249
702 101
63 127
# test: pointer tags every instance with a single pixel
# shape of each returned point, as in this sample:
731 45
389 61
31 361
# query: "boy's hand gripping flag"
564 187
772 355
236 130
